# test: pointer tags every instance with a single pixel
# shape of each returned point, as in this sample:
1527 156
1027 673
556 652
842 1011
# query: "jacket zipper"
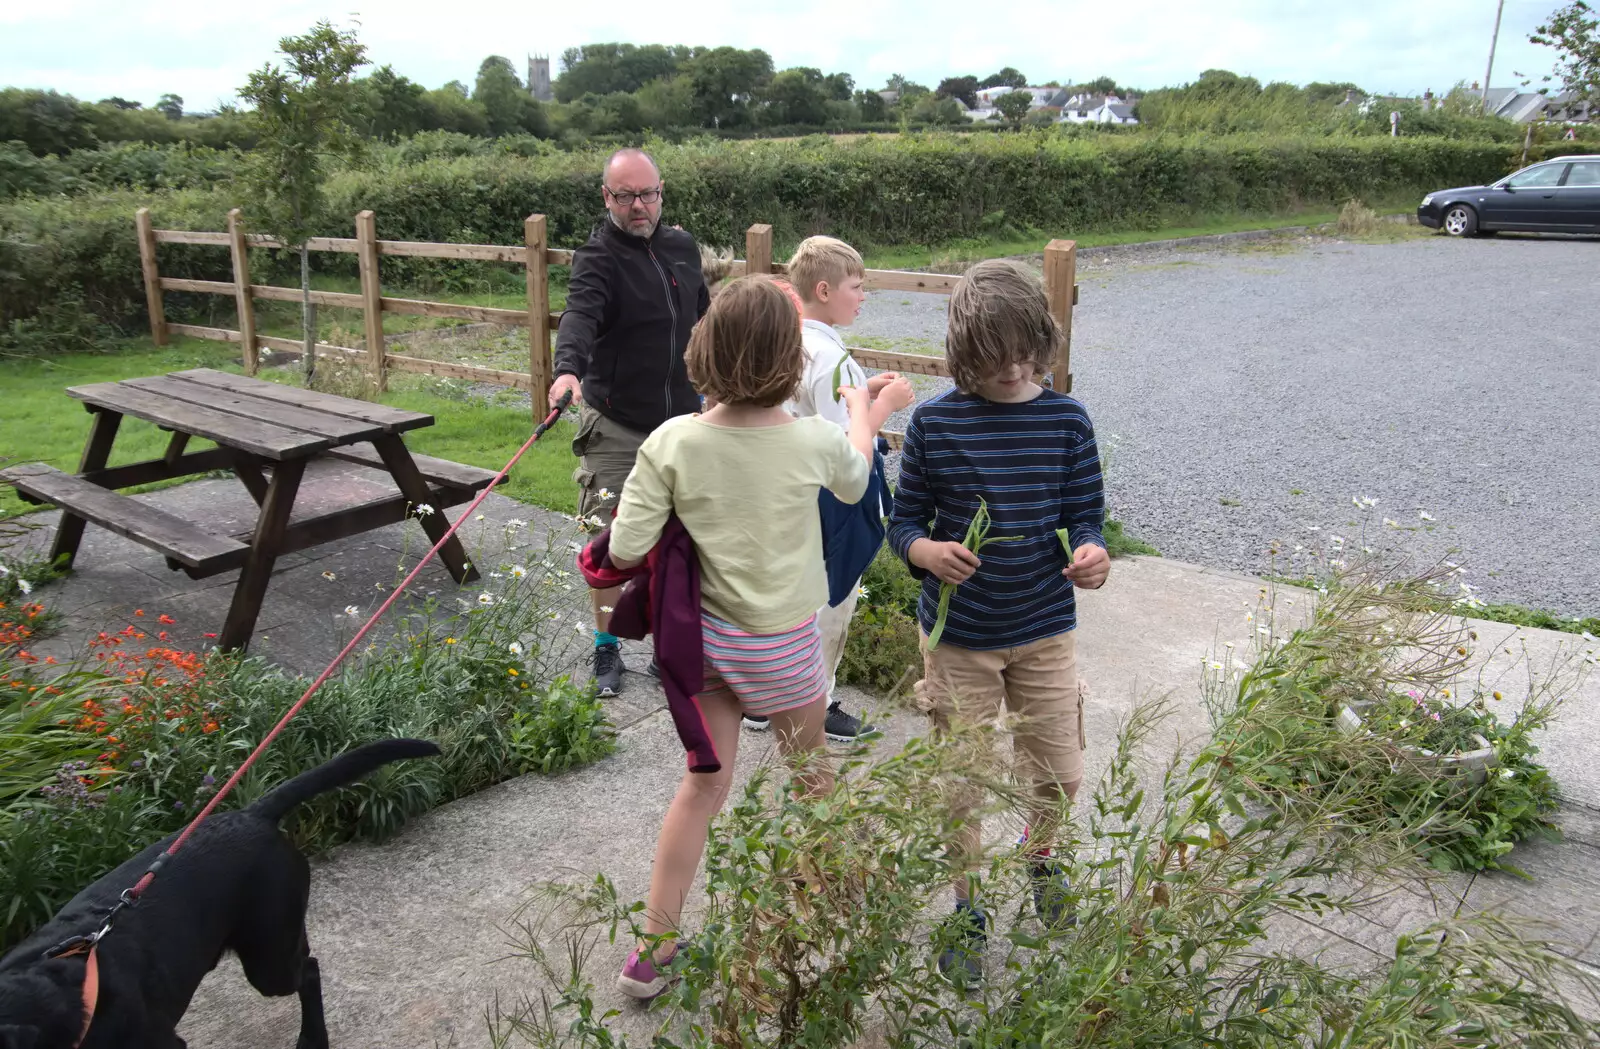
672 341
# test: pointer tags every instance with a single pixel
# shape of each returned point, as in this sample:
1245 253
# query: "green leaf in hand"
977 538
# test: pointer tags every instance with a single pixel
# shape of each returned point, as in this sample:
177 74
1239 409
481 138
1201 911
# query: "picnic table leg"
248 469
102 432
264 547
415 488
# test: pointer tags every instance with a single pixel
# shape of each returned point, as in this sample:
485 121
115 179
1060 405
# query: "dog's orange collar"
91 986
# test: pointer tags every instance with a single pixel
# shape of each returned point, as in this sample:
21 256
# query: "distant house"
1569 108
1512 104
1041 95
1098 109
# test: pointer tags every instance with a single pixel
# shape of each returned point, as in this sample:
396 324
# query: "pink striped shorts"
765 674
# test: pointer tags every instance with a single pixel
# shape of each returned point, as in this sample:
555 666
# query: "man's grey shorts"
606 451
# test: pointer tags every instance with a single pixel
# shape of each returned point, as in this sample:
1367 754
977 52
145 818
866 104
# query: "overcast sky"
203 49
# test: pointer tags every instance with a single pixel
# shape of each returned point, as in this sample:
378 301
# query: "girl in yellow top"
743 478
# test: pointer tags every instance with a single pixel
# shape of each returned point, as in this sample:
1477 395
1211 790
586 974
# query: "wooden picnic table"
265 434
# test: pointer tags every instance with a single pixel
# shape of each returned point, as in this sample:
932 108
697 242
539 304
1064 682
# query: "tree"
302 115
117 102
1216 83
840 86
1100 85
606 69
1574 32
723 80
666 103
44 121
797 96
1014 106
619 111
1322 91
964 88
507 106
395 107
171 106
931 109
1007 77
449 109
896 82
872 107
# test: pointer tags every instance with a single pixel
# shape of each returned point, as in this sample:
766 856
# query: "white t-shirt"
824 350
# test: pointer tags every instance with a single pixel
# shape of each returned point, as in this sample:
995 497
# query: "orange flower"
167 619
138 611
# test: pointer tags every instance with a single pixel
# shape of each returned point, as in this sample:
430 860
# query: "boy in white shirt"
828 276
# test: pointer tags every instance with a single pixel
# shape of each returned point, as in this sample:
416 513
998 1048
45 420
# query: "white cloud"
204 50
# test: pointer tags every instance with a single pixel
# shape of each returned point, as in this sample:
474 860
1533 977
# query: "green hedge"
73 264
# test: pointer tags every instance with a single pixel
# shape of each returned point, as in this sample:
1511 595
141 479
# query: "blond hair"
746 349
819 259
998 316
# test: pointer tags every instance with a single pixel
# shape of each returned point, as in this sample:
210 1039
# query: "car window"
1535 178
1584 173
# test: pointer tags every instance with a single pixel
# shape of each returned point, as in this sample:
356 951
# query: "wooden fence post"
535 240
1060 280
242 298
152 276
758 249
371 298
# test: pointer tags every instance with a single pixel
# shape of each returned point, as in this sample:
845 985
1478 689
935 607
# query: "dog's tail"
346 768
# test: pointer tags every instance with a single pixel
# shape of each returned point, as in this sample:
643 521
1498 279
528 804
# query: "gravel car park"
1246 397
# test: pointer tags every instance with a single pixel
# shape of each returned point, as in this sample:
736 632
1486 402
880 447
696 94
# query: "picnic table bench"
265 434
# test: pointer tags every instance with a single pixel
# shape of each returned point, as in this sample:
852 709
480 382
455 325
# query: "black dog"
237 885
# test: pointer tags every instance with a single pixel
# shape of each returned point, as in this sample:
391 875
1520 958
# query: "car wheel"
1460 221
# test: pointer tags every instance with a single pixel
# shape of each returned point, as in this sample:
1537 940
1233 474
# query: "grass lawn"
43 423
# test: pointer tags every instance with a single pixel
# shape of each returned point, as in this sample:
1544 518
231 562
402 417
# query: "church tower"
539 77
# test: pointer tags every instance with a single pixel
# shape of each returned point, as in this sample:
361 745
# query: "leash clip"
84 944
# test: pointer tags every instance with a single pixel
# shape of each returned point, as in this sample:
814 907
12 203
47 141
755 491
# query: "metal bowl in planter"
1474 763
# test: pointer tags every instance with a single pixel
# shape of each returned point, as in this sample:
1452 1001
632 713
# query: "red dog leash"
86 944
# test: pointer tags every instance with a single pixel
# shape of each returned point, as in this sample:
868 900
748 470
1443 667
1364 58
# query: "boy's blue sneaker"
1052 894
962 938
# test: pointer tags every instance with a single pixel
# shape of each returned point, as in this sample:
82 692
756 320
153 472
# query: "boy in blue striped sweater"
1029 454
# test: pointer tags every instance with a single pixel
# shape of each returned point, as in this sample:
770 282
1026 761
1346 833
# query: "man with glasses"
636 292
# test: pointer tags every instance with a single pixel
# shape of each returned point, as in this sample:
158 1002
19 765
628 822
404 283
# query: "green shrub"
1180 873
1381 644
157 730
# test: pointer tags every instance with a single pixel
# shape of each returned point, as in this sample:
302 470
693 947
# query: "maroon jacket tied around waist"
661 599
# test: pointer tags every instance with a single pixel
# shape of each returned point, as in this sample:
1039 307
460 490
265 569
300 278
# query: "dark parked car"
1554 196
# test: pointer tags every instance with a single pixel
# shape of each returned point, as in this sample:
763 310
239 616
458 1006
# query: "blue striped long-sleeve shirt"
1037 467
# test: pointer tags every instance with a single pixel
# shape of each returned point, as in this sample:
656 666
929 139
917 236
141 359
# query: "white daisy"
25 586
515 648
351 610
423 510
329 576
517 571
485 599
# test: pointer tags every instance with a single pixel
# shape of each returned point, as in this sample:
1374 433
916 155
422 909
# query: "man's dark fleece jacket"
631 305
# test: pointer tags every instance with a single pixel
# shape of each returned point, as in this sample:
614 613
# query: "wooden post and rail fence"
1060 271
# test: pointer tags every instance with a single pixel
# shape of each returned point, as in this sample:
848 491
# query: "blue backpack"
852 533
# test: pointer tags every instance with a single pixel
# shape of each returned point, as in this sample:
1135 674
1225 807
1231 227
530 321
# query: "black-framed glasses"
649 196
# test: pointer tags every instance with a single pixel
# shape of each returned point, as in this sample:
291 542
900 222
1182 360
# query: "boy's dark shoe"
608 669
1052 894
962 939
757 723
841 727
